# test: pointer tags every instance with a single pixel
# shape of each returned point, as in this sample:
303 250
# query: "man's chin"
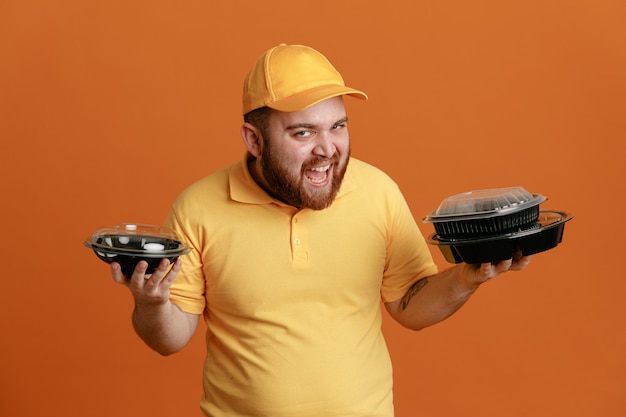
320 198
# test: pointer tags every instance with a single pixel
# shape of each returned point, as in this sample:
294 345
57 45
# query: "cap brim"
308 98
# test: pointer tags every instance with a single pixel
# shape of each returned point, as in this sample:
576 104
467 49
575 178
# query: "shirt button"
296 241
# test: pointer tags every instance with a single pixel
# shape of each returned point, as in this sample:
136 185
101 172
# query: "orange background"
109 109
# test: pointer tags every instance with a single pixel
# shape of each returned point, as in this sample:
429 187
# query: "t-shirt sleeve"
408 257
188 289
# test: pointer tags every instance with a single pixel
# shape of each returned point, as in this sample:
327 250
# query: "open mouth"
318 175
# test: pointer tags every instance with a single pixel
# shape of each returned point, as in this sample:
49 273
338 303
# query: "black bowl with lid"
129 243
490 225
485 212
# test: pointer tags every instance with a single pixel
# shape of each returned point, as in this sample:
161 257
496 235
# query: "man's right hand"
161 324
148 289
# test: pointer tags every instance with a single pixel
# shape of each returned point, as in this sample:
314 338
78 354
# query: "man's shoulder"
213 187
364 171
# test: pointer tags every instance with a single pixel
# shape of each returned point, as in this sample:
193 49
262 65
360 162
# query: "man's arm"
433 299
161 324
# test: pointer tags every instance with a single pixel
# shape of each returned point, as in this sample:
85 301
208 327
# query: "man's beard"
291 189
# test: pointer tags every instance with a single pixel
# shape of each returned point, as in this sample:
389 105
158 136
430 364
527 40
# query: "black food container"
129 243
490 225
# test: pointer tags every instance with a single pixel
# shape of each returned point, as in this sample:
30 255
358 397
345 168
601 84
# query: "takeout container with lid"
129 243
490 225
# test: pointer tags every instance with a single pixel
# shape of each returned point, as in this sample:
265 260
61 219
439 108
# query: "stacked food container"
490 225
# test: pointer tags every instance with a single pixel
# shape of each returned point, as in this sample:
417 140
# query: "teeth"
321 169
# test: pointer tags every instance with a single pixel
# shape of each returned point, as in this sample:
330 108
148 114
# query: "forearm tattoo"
415 288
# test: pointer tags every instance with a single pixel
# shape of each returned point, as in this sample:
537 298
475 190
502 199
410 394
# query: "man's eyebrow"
300 126
312 126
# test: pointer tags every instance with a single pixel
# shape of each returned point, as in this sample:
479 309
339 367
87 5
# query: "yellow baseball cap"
291 78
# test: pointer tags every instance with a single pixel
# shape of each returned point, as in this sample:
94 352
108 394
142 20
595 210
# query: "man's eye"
302 134
339 126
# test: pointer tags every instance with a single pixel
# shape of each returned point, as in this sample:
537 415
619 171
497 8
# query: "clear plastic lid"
136 238
137 229
485 203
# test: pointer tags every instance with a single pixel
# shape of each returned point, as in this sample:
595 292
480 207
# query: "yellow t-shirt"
291 298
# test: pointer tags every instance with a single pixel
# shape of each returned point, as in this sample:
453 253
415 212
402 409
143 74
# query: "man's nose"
324 145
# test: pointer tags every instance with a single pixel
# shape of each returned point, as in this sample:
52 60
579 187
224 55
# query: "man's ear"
252 138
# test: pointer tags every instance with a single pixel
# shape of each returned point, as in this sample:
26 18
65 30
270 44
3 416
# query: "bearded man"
292 250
